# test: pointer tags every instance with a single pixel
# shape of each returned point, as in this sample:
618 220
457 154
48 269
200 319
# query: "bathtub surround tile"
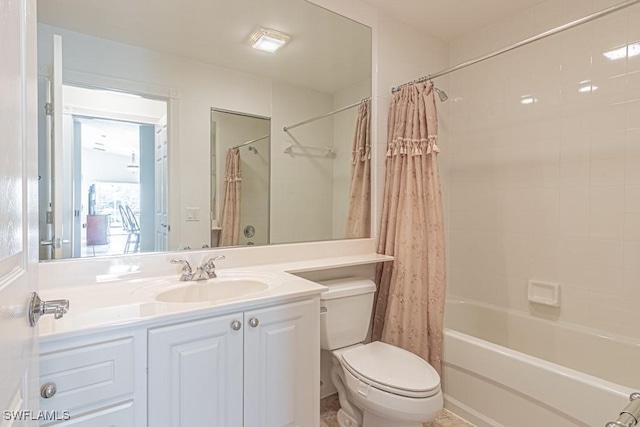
569 161
544 247
607 199
633 136
574 225
575 199
608 145
632 255
632 171
632 199
607 172
576 174
606 226
632 226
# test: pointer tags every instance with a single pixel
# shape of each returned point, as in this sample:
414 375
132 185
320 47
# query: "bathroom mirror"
128 159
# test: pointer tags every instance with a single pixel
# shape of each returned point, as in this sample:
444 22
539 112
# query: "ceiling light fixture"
268 40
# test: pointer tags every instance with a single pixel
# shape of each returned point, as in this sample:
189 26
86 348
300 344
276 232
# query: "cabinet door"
195 373
282 366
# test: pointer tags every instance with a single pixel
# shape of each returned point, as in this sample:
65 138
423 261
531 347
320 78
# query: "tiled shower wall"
545 166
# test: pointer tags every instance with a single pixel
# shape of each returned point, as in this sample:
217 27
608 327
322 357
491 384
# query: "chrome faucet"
187 272
205 272
208 269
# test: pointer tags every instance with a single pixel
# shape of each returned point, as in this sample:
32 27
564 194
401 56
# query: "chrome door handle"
236 325
55 242
38 308
253 322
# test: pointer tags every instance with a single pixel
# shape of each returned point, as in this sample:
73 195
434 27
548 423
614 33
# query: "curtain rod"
525 42
313 119
250 142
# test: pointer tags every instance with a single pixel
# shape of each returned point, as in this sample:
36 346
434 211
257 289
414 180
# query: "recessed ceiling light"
268 40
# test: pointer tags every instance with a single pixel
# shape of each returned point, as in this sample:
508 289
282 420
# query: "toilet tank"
345 312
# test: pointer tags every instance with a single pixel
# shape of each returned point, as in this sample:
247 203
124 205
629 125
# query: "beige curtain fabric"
230 214
409 308
359 214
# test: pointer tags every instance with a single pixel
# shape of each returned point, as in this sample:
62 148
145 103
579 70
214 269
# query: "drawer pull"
48 390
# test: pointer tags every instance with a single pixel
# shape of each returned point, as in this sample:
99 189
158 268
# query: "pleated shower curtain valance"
409 307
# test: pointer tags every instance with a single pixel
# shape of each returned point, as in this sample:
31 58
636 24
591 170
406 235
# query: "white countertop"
133 302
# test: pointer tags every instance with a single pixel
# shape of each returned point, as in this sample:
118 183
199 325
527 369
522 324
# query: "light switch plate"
193 214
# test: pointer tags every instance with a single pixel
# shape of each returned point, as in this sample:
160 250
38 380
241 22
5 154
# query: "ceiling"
110 136
327 52
451 19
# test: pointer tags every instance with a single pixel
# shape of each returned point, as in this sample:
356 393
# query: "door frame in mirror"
171 96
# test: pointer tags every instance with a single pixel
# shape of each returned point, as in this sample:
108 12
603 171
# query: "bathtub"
503 368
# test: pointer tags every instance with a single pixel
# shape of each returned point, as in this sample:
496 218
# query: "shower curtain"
230 214
409 308
359 214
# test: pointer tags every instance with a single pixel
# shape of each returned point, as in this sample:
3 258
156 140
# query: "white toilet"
379 385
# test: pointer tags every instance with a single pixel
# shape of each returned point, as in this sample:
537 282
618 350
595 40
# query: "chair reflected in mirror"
132 227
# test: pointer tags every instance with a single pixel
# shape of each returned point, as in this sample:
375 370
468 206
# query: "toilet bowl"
379 385
388 385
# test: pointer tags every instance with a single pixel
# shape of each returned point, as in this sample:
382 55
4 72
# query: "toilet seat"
392 370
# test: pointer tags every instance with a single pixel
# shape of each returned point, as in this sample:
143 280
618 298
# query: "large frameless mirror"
136 100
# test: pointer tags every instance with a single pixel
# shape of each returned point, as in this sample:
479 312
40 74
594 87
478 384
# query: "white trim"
97 81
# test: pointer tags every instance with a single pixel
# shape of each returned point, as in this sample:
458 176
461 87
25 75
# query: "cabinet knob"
253 322
236 325
48 390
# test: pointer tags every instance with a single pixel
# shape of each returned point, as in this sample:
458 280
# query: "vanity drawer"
115 416
87 375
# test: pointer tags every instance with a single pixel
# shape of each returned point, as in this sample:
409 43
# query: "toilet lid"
392 369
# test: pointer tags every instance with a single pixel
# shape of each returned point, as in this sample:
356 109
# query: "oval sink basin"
221 288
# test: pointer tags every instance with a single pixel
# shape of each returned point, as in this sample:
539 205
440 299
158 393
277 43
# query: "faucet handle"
187 272
210 260
186 267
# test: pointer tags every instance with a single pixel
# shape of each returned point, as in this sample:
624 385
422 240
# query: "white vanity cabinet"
257 368
94 380
195 373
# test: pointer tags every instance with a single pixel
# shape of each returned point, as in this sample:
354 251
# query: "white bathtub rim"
541 320
584 378
566 397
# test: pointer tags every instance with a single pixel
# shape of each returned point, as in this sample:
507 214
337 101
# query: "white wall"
549 190
301 190
405 54
98 166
